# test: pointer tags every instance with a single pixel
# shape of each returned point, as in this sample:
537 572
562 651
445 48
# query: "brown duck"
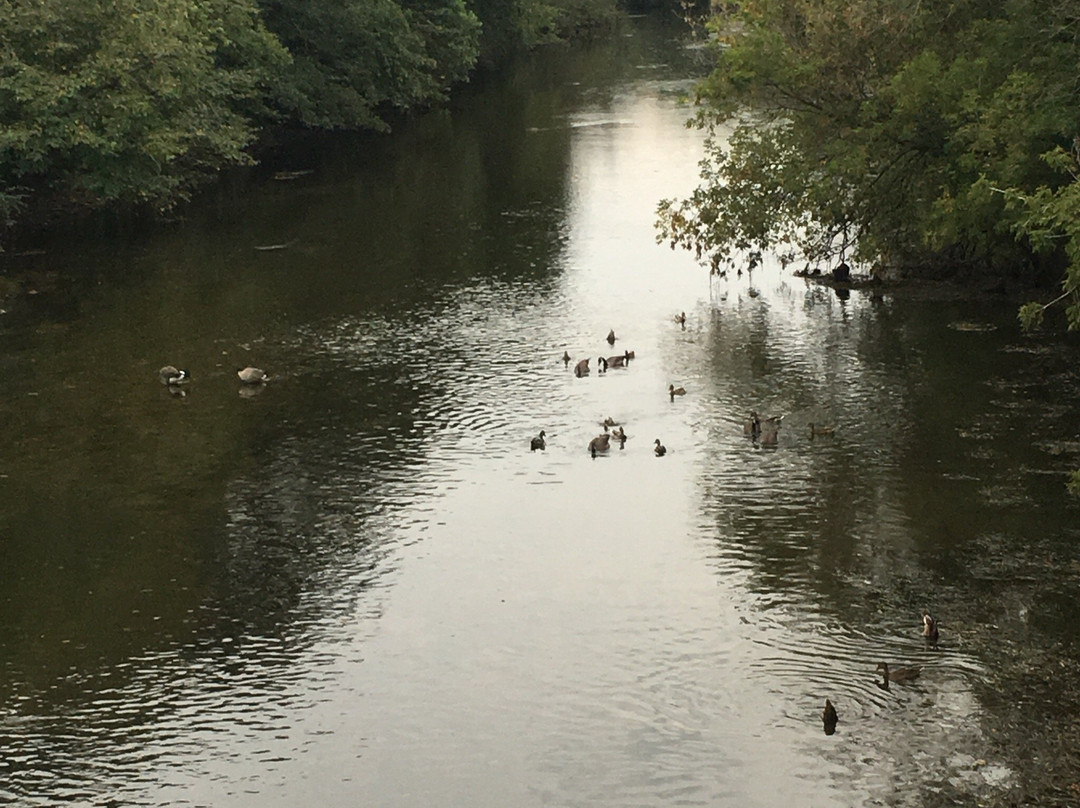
829 717
898 675
930 627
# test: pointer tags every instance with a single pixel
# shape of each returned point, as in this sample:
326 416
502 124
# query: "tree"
125 101
900 133
353 60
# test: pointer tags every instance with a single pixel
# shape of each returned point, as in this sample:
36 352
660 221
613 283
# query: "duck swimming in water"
930 627
675 391
829 717
899 675
171 376
538 442
250 375
611 337
601 443
658 448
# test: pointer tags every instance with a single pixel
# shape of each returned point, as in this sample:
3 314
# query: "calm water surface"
357 585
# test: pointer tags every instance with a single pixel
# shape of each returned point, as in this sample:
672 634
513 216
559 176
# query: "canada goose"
659 448
816 431
171 376
770 436
629 355
538 442
565 359
930 627
601 364
675 391
897 674
681 319
601 443
752 292
829 717
618 433
581 368
250 375
611 337
619 361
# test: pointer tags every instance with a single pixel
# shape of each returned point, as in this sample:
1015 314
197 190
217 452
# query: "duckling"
611 337
171 376
898 675
601 443
829 717
930 627
582 368
675 391
250 375
566 359
818 431
538 442
658 448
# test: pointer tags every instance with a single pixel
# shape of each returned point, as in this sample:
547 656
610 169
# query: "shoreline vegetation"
128 108
924 140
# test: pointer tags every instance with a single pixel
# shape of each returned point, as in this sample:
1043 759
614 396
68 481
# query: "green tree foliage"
351 59
921 135
126 101
135 102
510 26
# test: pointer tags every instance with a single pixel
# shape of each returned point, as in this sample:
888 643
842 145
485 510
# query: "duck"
752 427
675 391
898 675
566 359
601 443
817 431
609 421
538 442
250 375
658 448
582 368
930 627
829 717
611 337
171 376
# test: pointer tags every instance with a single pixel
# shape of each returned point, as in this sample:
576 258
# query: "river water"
356 585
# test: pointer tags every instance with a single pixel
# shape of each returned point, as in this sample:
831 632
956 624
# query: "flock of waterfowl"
602 442
889 674
765 431
175 378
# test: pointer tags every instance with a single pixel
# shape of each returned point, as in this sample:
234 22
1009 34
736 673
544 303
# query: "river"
356 584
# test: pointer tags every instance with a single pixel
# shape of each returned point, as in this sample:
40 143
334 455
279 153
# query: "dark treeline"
928 137
132 104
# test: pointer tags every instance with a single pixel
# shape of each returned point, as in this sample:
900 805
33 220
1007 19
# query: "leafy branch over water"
928 138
